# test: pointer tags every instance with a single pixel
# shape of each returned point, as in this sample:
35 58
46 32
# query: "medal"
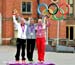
23 28
40 29
31 33
31 29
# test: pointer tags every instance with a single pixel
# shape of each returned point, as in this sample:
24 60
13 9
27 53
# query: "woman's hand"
15 11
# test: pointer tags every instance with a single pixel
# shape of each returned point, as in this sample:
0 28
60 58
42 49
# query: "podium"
45 63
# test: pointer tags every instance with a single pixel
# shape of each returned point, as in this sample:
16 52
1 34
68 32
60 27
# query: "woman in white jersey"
21 38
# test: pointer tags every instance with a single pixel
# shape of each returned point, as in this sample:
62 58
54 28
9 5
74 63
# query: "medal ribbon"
31 28
23 27
39 28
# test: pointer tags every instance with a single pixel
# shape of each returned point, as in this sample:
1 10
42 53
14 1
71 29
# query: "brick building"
29 8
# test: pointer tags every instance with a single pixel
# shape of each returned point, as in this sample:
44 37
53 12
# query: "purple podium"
14 63
18 64
45 63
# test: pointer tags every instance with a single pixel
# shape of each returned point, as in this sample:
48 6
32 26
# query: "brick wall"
7 24
53 29
0 5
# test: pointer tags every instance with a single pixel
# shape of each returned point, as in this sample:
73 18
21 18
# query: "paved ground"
7 54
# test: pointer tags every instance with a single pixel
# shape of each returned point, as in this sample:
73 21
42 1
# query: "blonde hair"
40 20
22 19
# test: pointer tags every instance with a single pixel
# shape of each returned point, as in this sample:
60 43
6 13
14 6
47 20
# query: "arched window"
71 3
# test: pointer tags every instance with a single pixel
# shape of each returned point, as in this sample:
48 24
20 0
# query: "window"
26 7
71 3
67 32
70 32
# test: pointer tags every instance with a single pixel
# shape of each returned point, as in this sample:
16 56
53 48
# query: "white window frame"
69 31
26 12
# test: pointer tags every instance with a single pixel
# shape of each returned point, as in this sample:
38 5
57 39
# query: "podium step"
30 64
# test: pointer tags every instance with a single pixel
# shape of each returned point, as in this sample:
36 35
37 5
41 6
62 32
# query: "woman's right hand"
15 11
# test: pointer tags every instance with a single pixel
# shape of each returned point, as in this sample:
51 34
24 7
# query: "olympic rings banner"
53 12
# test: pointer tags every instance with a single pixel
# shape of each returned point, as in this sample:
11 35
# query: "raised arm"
14 20
28 22
46 22
14 17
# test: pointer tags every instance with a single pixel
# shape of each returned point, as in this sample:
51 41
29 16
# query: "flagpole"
58 33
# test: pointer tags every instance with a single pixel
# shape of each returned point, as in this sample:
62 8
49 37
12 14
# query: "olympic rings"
44 5
56 10
51 11
60 18
45 12
54 1
60 5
